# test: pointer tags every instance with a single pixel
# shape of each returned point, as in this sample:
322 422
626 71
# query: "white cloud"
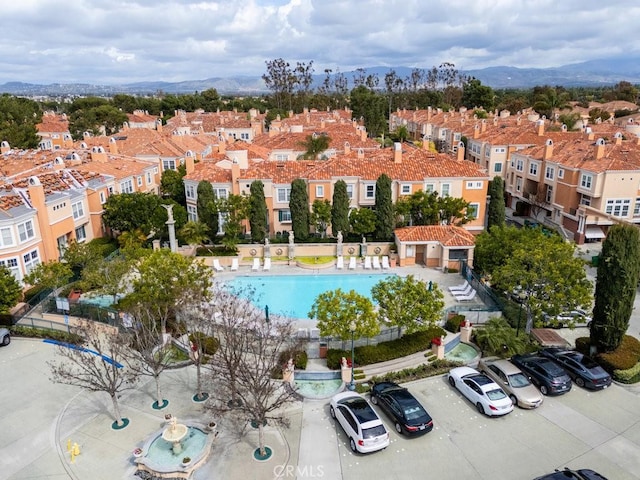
134 40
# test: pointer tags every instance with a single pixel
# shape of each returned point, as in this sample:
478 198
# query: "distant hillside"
592 73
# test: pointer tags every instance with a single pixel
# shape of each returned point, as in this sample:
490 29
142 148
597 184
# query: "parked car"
359 421
483 392
583 370
545 374
408 415
575 318
511 379
582 474
5 336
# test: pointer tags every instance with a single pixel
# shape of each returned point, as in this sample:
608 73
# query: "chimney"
235 175
540 128
618 137
483 125
476 131
548 149
5 147
590 134
361 153
460 151
189 163
113 146
38 202
58 164
600 148
518 120
397 152
347 148
363 134
98 155
495 121
222 146
428 114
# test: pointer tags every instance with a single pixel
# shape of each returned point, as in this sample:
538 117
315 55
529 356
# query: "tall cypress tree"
340 209
207 207
257 212
496 203
384 208
616 282
299 207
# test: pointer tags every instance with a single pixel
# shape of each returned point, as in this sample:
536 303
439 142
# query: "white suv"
5 336
360 422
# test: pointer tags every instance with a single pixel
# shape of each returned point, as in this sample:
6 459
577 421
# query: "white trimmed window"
497 168
445 189
636 208
429 187
549 195
472 210
81 234
149 177
475 185
126 186
220 192
139 180
110 190
350 191
549 173
533 168
370 191
78 210
518 184
284 194
168 164
103 198
25 231
319 191
618 207
12 265
561 173
405 189
586 181
284 216
31 259
190 191
519 165
282 157
585 200
192 213
6 237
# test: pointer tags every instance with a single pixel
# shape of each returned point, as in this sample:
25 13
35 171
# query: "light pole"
521 296
352 328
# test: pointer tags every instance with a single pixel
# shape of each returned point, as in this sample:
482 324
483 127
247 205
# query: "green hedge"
436 367
453 324
631 375
58 335
625 357
583 344
209 344
384 351
300 358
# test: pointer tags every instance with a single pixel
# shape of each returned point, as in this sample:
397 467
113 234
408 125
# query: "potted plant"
211 426
186 461
137 452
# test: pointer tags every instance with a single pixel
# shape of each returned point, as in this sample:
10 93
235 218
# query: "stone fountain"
174 434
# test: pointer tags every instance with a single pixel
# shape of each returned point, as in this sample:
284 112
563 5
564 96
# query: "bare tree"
250 349
97 365
537 201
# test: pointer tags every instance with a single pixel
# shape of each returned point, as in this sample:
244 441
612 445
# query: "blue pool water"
293 295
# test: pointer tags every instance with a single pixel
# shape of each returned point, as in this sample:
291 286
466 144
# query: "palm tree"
497 337
194 233
550 100
314 145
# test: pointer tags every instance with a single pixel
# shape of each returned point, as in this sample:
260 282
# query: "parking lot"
581 429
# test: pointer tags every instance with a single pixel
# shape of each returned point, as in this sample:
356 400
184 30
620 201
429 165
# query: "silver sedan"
515 383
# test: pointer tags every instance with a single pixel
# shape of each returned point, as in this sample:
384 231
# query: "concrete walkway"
319 455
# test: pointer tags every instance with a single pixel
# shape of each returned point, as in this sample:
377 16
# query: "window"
585 200
405 189
103 198
244 136
168 164
618 207
636 208
561 173
222 220
110 190
586 181
549 195
126 186
190 191
81 234
220 192
519 165
474 185
497 168
12 265
31 259
320 191
500 150
350 191
472 210
518 184
139 180
25 231
370 191
6 237
78 210
284 194
429 187
445 189
284 216
282 157
549 173
192 213
533 168
149 178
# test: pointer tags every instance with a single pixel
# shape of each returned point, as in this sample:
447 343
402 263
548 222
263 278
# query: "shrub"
209 344
625 357
437 367
300 358
34 292
583 344
334 357
631 375
58 335
453 324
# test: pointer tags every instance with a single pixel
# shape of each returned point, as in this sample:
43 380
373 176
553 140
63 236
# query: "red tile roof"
447 235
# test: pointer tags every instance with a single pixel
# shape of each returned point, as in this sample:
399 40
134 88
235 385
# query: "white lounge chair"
376 263
367 262
462 293
256 265
466 298
352 263
267 264
459 288
340 263
234 264
217 266
385 263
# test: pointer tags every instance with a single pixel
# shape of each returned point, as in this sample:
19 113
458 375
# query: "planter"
137 453
186 461
211 427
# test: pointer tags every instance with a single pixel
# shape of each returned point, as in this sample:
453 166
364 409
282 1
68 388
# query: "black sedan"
567 474
409 416
545 374
583 370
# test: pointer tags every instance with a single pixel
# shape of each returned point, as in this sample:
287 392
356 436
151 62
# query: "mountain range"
589 74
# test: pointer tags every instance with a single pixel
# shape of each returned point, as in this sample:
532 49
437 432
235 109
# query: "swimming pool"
293 295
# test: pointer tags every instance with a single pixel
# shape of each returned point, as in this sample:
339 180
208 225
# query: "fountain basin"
465 353
159 457
317 385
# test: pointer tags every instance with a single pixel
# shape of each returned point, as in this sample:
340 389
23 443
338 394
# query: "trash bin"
323 350
594 260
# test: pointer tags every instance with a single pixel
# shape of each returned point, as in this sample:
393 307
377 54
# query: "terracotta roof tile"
447 235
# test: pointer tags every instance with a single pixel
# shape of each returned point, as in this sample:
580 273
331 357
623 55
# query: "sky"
116 42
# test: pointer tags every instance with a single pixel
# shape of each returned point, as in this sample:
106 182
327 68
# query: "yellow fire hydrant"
75 451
